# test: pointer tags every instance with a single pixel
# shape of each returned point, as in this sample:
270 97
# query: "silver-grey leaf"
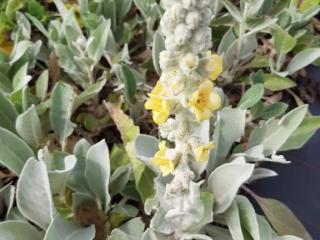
17 230
67 230
33 193
97 172
61 109
225 181
28 126
14 152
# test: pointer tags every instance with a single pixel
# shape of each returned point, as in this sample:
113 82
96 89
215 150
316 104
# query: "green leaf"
257 110
8 113
21 79
42 85
228 38
88 93
277 83
259 61
26 98
14 152
252 96
29 127
146 146
130 83
302 134
11 7
224 184
7 197
24 30
123 7
149 8
217 232
308 4
133 229
38 25
249 46
118 157
158 47
33 193
19 50
77 181
98 41
119 179
59 176
268 22
5 83
97 172
229 129
274 110
67 16
264 228
282 218
283 41
233 10
303 59
253 7
18 230
233 221
35 9
60 111
110 12
274 133
248 216
61 229
142 174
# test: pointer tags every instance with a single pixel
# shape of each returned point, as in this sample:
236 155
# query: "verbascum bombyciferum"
182 102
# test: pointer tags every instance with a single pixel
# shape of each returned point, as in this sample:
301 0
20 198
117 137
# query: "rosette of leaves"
265 34
125 26
264 42
78 55
8 10
82 43
61 193
44 211
58 194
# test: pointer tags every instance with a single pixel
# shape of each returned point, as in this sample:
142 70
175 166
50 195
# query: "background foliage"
74 78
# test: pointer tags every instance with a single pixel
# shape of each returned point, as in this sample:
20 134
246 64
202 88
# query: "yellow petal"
214 66
204 101
158 89
153 103
206 87
194 99
165 165
202 152
162 147
159 117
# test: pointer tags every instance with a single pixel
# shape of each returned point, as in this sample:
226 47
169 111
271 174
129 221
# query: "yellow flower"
202 152
204 101
7 47
159 106
214 65
160 160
